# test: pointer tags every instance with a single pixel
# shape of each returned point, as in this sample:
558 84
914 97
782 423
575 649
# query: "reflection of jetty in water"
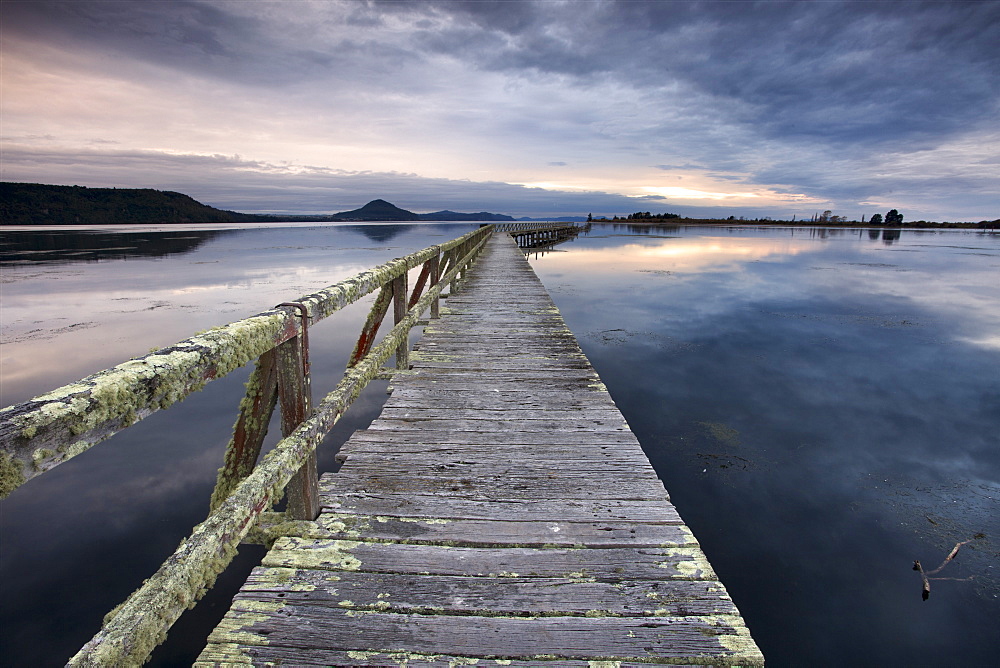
645 228
538 238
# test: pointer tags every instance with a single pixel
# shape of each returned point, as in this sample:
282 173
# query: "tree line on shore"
892 218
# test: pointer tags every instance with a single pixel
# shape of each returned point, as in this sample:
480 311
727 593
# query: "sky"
529 108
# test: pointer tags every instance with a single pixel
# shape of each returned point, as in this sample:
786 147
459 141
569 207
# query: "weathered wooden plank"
569 358
486 347
559 445
499 426
444 457
551 347
654 563
576 413
429 384
431 506
539 472
554 378
405 593
508 533
508 486
497 396
472 382
445 436
500 464
303 633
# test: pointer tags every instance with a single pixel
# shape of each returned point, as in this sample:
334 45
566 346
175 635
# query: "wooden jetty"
535 236
499 511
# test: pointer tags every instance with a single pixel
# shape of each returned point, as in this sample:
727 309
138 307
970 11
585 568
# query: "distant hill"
377 209
40 204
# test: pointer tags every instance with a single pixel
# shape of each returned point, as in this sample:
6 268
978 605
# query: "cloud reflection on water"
680 254
63 322
932 283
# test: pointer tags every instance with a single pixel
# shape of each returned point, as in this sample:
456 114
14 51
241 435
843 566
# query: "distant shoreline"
36 204
42 204
915 225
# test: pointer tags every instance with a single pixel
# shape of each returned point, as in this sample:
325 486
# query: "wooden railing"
543 235
39 434
530 227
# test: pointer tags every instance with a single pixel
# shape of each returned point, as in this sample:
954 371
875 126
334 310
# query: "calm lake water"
822 404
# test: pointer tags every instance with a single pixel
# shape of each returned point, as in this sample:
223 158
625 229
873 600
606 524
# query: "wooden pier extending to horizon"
499 511
499 508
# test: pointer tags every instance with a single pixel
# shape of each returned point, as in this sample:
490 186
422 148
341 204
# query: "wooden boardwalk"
498 512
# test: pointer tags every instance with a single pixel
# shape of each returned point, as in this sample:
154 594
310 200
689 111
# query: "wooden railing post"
460 252
466 247
372 325
295 399
399 308
250 428
448 261
435 265
425 272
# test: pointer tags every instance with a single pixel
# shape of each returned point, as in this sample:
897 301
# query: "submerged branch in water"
951 555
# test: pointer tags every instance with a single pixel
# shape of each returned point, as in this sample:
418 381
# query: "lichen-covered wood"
250 428
295 399
138 625
43 432
498 512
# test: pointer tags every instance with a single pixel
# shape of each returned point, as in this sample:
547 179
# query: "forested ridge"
41 204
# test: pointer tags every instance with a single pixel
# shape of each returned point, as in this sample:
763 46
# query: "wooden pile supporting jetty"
498 512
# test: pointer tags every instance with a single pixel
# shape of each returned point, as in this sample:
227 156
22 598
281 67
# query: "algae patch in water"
722 433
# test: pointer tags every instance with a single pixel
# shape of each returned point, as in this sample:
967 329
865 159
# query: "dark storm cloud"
182 33
855 72
207 39
828 71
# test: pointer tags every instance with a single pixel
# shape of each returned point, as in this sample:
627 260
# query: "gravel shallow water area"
822 404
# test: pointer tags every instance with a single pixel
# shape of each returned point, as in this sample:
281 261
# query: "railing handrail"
530 227
39 434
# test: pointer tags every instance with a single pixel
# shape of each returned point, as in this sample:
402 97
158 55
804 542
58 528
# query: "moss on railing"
41 433
131 632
